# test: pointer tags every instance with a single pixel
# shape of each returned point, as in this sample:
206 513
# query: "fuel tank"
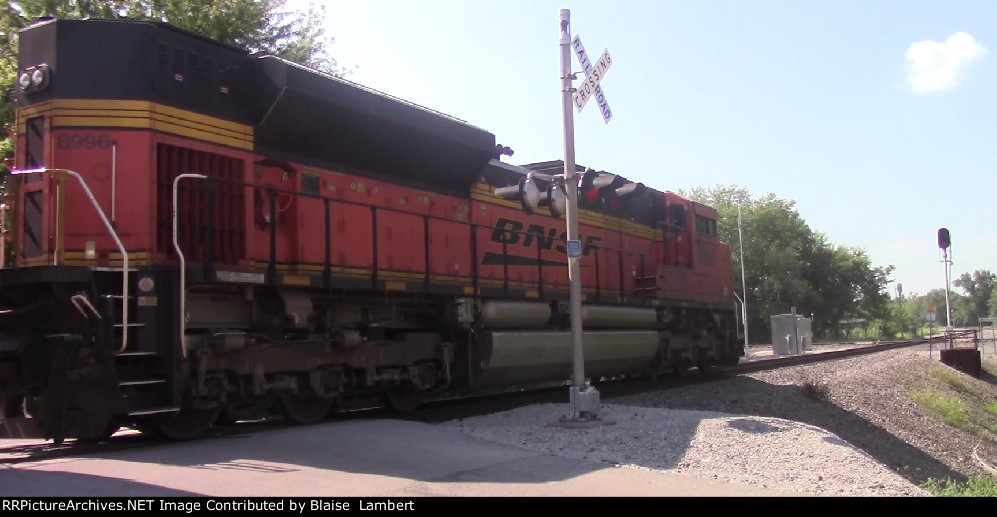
523 357
608 316
505 314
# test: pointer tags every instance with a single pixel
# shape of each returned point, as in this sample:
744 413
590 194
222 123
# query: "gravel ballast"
861 435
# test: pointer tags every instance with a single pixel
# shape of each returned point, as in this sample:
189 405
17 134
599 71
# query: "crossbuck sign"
594 72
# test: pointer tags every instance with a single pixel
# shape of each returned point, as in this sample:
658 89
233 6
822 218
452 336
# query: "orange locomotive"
200 234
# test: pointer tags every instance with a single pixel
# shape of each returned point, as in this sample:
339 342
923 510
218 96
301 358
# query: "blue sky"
877 117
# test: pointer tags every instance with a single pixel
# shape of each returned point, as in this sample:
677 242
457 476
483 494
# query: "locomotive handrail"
110 230
80 302
272 191
183 263
397 210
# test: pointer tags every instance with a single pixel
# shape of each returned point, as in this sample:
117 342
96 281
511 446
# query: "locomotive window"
677 216
310 184
706 226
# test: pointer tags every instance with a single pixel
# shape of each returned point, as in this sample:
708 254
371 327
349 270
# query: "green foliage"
980 288
789 264
950 409
976 487
256 25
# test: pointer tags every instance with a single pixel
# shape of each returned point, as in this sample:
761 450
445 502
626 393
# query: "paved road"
354 458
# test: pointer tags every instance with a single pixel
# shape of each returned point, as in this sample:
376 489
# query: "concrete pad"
347 459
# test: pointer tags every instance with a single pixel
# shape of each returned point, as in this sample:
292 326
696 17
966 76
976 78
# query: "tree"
256 25
788 264
936 298
979 288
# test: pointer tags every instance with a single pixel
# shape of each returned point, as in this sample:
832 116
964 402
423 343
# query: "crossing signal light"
527 192
531 196
557 199
612 190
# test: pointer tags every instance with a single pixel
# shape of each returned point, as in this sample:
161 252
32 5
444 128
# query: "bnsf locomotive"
199 234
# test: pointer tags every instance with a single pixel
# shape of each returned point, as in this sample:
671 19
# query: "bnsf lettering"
510 232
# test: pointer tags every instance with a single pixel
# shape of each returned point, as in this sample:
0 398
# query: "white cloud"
933 66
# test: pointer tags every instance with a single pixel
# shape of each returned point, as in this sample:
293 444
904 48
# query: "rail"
110 230
778 362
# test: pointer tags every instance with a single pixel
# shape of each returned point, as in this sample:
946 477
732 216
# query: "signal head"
557 200
944 238
527 192
612 190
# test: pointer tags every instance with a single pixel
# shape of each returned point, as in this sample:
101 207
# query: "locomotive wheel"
188 423
404 398
306 409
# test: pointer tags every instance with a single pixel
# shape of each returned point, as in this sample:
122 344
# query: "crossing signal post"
562 197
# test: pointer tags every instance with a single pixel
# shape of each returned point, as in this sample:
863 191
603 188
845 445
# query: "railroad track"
780 362
457 408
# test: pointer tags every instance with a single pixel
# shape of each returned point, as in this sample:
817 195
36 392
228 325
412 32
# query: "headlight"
33 79
38 77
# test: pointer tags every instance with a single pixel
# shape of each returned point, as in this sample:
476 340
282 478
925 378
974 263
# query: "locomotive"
201 234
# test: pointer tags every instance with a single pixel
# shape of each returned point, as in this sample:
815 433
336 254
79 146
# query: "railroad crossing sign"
594 72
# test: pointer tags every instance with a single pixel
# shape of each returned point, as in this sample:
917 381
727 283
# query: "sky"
878 118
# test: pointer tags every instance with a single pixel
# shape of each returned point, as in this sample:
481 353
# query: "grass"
951 409
966 406
976 487
951 377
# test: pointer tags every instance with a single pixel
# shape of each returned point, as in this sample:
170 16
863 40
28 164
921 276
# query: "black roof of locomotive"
298 113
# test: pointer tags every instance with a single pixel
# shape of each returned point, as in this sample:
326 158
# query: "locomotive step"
142 382
153 411
135 354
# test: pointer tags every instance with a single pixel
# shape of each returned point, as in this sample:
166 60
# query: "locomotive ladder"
133 366
60 175
645 284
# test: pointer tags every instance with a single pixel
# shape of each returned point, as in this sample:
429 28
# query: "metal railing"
600 252
107 226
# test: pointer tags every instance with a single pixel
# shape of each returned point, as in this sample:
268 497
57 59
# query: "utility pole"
900 308
744 282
